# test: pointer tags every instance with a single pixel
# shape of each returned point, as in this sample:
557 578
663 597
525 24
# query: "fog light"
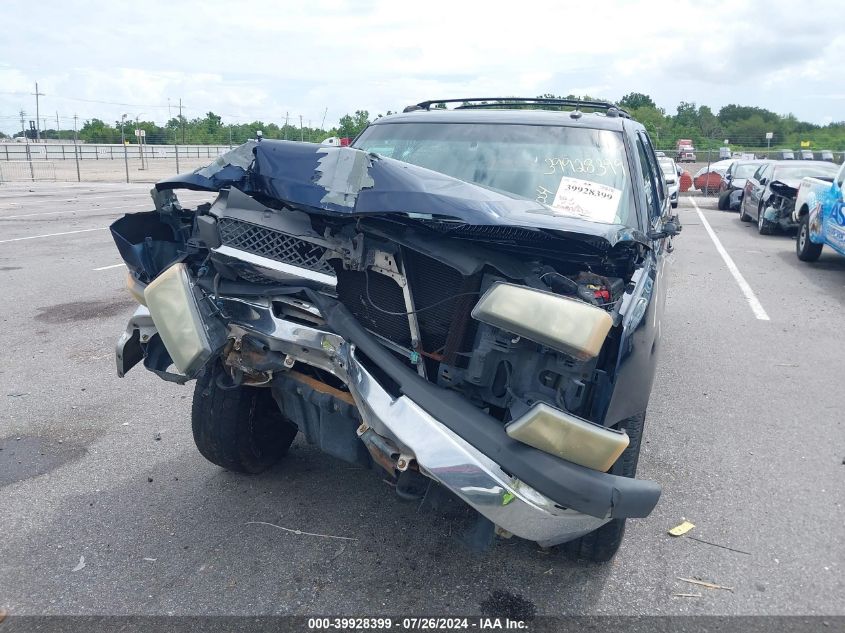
568 325
569 437
176 315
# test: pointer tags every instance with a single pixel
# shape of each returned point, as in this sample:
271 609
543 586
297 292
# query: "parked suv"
467 298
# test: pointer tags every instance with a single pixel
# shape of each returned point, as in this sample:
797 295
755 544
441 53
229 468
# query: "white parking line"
35 237
18 206
107 208
750 297
112 266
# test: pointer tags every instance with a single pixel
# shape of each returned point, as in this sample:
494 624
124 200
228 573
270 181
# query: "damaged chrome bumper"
408 421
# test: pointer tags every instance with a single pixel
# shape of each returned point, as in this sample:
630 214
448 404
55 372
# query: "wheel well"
804 210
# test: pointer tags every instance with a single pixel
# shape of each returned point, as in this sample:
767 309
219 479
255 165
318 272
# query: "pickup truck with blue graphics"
822 221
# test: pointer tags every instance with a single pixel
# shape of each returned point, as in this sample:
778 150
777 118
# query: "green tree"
352 125
98 131
636 100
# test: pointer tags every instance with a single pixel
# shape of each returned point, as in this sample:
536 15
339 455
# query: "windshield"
796 172
574 171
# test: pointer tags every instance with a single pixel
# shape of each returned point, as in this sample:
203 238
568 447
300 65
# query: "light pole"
123 142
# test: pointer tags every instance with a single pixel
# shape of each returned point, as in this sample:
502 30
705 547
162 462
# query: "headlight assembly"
178 318
562 323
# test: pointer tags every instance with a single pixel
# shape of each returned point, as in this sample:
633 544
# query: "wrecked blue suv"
468 298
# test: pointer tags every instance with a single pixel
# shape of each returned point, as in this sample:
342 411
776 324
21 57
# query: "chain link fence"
86 162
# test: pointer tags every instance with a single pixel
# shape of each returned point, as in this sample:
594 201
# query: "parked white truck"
809 190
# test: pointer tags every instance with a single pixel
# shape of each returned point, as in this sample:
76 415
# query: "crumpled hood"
787 187
349 181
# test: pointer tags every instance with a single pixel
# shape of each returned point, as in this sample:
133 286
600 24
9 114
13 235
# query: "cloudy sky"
260 60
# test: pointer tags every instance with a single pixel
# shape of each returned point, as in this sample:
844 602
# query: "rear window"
574 171
667 167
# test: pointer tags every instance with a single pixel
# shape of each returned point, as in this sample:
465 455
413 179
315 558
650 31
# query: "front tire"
724 200
240 429
743 216
806 250
600 545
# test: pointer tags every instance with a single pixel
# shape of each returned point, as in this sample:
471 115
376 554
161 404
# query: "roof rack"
504 102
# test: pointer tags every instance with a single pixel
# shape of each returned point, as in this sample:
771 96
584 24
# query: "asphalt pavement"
107 507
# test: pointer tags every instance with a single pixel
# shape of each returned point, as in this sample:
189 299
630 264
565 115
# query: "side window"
649 186
655 170
840 177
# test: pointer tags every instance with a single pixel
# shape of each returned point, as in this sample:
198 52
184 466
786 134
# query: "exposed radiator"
432 284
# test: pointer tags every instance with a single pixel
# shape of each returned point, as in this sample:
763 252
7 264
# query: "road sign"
769 136
805 143
141 133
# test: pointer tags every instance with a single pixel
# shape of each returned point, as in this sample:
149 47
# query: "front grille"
273 244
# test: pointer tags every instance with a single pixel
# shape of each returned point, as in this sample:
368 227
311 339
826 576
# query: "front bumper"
522 490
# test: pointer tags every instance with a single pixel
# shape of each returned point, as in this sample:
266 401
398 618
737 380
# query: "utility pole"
57 126
123 142
230 136
140 141
323 123
37 112
286 125
301 132
181 121
75 152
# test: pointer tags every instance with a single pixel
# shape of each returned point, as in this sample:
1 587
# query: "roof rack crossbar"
500 102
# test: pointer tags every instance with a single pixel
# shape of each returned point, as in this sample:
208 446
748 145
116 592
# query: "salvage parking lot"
109 508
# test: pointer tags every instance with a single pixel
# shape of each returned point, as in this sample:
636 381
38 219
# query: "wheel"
763 225
239 429
600 545
807 251
743 216
724 200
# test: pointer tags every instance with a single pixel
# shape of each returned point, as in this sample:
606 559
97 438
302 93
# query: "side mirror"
670 228
764 181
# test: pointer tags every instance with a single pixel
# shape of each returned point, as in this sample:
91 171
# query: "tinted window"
648 181
655 170
575 171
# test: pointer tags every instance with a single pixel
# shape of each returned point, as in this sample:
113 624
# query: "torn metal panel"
227 169
783 189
